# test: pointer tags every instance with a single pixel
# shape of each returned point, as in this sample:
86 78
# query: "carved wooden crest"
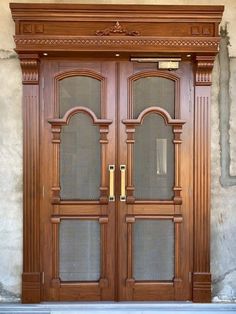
116 29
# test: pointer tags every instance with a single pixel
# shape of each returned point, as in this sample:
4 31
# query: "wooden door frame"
108 29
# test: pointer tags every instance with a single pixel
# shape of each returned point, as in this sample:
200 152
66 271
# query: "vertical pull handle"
122 188
111 182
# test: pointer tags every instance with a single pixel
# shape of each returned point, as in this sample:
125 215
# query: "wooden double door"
116 147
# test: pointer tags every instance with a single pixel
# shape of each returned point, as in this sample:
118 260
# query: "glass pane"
153 91
80 91
79 250
153 159
80 159
153 249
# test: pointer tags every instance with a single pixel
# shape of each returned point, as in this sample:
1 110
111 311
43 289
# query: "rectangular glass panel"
79 255
153 249
161 155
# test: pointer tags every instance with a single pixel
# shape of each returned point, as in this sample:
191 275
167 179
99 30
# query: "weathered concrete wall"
223 155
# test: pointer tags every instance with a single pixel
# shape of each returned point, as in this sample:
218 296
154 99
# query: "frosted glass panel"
153 249
79 250
153 160
80 159
153 91
80 91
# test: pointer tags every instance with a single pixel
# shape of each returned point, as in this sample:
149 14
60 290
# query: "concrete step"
118 308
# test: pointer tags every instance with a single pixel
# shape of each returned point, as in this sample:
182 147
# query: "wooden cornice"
151 28
53 11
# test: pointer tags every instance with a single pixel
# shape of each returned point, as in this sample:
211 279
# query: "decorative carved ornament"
93 43
204 66
30 69
38 28
116 29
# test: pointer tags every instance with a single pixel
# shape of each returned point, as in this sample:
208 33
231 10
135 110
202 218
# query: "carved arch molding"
93 29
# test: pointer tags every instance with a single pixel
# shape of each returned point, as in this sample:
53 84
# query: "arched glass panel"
80 159
153 91
80 91
153 159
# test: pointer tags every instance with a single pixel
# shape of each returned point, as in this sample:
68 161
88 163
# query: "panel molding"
177 128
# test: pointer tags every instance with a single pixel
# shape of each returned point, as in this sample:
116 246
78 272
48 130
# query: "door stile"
125 69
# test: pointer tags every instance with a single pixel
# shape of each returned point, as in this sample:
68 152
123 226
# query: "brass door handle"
122 180
111 182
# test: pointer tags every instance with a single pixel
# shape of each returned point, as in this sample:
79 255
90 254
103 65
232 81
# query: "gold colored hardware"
168 65
163 63
122 188
111 184
154 60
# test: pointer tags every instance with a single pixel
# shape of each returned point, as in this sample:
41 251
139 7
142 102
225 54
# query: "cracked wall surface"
223 146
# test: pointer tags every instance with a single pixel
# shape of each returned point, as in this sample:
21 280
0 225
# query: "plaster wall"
223 240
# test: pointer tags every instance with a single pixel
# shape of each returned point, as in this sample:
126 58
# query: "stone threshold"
118 308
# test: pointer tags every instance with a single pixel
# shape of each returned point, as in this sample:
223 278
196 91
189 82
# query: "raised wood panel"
160 291
91 28
79 209
153 209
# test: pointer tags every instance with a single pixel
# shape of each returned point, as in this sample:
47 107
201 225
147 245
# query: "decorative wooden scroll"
116 29
177 130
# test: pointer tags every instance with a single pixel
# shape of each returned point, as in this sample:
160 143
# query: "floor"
118 308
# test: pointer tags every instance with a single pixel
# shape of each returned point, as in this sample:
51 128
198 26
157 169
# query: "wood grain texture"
144 28
84 45
201 272
31 252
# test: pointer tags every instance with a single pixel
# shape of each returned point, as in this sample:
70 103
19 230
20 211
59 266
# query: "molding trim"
31 174
62 43
202 177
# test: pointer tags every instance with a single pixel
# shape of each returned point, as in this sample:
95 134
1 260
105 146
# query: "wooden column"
201 264
31 276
